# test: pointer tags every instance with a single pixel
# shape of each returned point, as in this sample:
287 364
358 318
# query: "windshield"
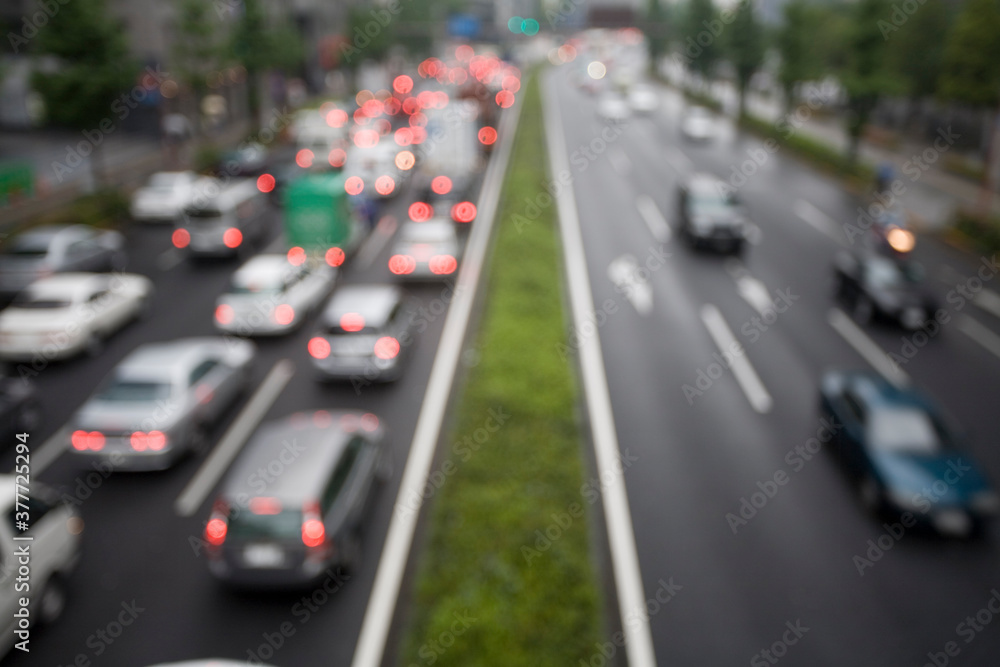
904 430
135 391
166 181
711 204
286 524
28 247
30 302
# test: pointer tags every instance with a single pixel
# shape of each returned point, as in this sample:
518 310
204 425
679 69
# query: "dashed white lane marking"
743 371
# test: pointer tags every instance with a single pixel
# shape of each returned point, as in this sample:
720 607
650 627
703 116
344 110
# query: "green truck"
320 218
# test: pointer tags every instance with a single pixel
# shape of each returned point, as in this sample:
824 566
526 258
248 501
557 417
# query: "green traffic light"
529 27
515 24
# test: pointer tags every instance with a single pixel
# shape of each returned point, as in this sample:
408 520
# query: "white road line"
755 293
51 449
817 219
168 259
651 215
867 348
620 161
743 371
399 539
621 536
232 442
623 272
383 231
979 333
989 301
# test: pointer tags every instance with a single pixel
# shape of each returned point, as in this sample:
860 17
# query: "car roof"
323 440
373 302
435 229
68 285
167 359
269 268
46 233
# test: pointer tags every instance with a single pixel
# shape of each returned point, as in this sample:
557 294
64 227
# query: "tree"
196 50
796 42
656 30
702 40
745 44
93 69
916 48
971 53
866 76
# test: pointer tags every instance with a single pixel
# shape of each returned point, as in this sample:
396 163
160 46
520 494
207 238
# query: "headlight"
986 502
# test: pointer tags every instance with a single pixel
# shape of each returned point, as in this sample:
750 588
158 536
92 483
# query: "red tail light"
313 532
215 531
296 256
153 441
82 440
441 185
180 238
304 158
337 157
354 185
487 136
402 264
265 182
352 322
319 348
463 212
335 256
442 265
384 185
265 506
369 422
224 313
420 211
232 237
283 314
386 347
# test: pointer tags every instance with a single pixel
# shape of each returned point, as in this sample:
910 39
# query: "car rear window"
131 390
203 213
245 525
41 303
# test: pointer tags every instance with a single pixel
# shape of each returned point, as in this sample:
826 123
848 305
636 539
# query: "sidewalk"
930 198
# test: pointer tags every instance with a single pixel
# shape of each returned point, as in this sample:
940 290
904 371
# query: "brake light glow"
322 419
402 264
366 138
232 237
283 314
487 135
442 265
224 313
82 440
304 158
336 118
405 160
215 531
265 182
296 256
319 348
441 185
420 211
180 238
337 157
352 322
505 99
403 136
402 84
463 212
264 505
384 185
153 441
354 185
313 532
369 422
386 348
335 256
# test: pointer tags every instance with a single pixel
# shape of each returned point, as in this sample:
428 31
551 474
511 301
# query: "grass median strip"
506 577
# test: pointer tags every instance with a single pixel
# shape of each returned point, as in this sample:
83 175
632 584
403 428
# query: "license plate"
263 555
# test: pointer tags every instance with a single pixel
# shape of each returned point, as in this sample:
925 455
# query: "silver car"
269 295
157 404
426 250
293 505
42 251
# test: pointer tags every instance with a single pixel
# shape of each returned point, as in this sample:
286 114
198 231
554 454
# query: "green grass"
545 612
983 233
105 208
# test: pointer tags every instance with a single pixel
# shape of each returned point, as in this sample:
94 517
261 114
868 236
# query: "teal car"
906 459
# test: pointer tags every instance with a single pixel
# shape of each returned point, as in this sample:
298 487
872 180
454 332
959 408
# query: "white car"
426 250
69 313
269 295
52 553
643 98
613 108
698 124
164 197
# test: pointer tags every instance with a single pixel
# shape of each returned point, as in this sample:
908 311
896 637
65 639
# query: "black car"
904 455
19 409
875 285
711 216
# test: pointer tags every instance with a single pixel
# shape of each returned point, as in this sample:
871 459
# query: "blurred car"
643 98
709 216
878 286
54 531
42 251
211 662
376 167
698 124
164 197
20 411
271 296
63 315
248 159
226 221
287 529
364 334
613 108
904 455
158 402
426 250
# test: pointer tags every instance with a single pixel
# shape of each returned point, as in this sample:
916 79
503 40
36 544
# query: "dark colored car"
903 454
19 408
42 251
875 285
294 503
365 334
709 216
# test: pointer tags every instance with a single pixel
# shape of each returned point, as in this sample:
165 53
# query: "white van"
224 219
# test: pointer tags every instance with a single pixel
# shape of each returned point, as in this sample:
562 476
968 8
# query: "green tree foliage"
745 46
796 44
260 44
701 17
971 67
916 46
866 76
196 50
